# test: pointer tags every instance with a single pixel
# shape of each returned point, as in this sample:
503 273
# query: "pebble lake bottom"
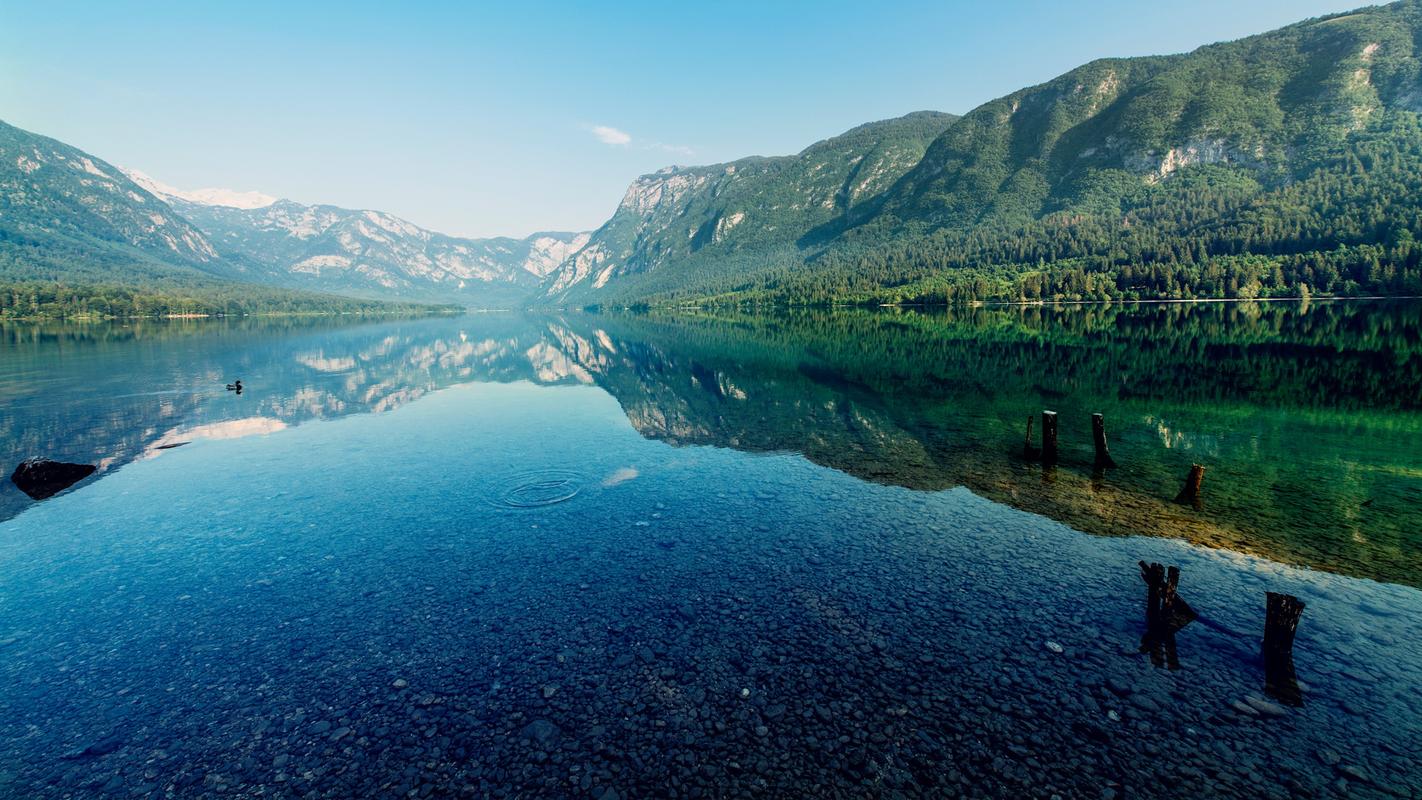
503 590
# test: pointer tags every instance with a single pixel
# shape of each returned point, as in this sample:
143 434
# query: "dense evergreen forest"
1348 228
45 300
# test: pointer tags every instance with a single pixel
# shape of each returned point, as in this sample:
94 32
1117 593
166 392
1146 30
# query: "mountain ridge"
1276 164
752 208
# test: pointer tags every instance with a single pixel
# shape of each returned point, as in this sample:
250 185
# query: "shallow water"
672 556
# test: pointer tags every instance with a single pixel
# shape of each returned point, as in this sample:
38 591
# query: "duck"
235 386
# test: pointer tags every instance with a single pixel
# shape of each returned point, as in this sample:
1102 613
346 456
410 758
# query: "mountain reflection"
1305 417
107 395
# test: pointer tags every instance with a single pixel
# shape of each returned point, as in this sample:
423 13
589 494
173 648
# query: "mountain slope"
78 237
686 224
365 253
58 204
1272 104
1277 164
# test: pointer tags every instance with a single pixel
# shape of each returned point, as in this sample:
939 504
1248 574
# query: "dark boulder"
40 477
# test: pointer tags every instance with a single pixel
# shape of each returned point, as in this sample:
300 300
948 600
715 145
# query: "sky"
487 119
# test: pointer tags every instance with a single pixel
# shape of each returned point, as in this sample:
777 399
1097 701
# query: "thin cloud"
617 137
609 135
678 149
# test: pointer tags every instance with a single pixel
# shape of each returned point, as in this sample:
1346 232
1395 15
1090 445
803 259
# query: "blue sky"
501 119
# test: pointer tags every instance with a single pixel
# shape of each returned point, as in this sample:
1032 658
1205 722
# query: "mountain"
685 225
364 253
56 201
206 197
1278 164
79 237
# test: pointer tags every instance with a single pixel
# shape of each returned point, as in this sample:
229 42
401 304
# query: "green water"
1305 417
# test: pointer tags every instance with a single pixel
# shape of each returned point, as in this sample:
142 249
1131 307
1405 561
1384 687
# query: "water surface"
607 555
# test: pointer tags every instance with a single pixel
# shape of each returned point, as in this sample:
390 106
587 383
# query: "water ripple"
537 489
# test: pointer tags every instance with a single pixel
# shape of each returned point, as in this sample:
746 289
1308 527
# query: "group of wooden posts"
1049 453
1166 612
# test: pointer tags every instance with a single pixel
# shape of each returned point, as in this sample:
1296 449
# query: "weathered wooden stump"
1049 437
1281 621
1190 492
1098 436
1030 450
1166 614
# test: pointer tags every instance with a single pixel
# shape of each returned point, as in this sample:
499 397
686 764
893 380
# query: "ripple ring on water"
537 489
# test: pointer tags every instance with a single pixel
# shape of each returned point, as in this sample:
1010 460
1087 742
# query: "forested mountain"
1288 163
1284 163
364 253
79 236
56 200
685 225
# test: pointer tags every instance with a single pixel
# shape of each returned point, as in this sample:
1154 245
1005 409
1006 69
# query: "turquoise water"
453 556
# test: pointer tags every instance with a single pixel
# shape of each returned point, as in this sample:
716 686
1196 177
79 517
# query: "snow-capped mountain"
206 197
362 252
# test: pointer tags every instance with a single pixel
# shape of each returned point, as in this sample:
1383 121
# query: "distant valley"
363 253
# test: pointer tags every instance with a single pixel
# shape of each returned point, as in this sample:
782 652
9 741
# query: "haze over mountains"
363 253
1284 163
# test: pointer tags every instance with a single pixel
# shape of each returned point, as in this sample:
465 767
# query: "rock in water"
41 478
102 747
541 732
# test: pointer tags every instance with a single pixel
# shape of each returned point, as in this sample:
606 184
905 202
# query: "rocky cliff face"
678 220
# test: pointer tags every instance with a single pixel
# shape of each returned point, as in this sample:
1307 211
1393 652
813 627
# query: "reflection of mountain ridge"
931 402
923 401
81 397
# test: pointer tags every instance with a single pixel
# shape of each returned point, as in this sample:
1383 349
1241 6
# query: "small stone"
1265 707
1328 757
400 683
1054 647
1113 716
1244 709
549 691
1354 773
761 730
745 693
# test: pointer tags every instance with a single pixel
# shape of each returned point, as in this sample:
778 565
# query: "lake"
712 554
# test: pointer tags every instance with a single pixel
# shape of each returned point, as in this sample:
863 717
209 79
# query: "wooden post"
1049 437
1098 435
1029 450
1281 621
1166 614
1191 491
